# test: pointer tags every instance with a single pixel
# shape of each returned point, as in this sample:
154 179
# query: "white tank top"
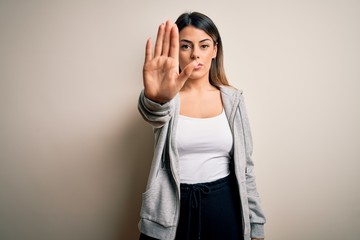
204 146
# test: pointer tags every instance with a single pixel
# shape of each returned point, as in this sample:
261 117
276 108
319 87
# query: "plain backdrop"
75 153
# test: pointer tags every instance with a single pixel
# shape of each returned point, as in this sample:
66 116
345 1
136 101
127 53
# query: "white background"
75 153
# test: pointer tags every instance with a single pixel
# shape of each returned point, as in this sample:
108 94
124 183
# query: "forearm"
154 113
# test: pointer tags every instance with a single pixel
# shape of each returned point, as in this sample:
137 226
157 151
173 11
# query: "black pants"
209 211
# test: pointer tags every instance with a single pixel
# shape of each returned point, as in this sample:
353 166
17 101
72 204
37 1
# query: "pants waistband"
211 186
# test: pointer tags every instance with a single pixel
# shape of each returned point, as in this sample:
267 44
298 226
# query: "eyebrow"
188 41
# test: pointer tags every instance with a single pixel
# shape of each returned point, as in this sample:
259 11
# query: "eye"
205 46
185 46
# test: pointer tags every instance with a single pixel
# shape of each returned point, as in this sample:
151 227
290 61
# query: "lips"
198 66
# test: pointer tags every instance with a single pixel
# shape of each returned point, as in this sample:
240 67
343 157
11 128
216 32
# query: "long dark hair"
198 20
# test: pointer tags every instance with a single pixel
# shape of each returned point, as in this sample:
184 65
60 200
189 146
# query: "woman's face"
196 44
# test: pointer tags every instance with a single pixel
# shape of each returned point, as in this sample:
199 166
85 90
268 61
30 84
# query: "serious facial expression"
196 44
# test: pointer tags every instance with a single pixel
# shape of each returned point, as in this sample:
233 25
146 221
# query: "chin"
197 75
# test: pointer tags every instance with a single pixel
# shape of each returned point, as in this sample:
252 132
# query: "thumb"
186 72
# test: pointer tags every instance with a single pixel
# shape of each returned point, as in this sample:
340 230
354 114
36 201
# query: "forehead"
193 34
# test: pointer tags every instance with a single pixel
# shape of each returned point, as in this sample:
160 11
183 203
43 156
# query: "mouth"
198 66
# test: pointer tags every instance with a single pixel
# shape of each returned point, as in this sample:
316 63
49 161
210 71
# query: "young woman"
201 183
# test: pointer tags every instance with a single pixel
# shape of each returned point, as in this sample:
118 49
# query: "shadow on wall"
137 150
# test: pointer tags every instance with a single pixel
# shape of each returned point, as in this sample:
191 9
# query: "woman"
201 183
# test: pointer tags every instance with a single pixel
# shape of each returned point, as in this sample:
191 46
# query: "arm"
257 218
154 113
161 77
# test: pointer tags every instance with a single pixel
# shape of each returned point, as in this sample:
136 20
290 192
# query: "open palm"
162 80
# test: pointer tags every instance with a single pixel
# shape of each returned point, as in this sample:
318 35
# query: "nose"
195 54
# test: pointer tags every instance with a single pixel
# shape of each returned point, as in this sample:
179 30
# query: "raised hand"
162 80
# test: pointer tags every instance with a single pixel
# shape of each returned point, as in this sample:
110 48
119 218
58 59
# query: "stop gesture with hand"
161 76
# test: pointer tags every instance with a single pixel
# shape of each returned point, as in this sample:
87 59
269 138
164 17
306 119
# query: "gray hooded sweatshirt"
160 209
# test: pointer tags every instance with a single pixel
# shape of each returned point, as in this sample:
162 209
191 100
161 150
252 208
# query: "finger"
186 72
174 42
166 43
148 54
159 41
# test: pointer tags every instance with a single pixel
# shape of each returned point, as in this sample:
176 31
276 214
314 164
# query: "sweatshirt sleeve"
154 113
257 217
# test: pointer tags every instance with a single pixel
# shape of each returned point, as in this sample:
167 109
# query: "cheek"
211 55
208 59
